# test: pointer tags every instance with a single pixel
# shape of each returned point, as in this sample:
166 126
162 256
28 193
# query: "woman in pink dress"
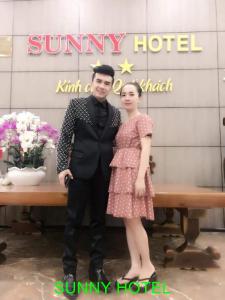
130 190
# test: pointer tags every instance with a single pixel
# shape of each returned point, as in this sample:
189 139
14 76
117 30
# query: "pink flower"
15 140
49 130
43 140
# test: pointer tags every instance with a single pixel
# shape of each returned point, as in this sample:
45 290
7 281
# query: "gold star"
126 67
97 64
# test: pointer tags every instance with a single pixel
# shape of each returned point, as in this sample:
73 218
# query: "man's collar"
97 102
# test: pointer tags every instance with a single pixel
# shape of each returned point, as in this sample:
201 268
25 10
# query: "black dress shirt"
101 114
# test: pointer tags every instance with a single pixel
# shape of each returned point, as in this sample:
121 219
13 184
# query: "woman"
130 190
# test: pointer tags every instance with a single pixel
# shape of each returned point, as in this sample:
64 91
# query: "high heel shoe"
124 284
147 283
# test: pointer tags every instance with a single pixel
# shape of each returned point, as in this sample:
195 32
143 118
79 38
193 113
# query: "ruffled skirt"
122 201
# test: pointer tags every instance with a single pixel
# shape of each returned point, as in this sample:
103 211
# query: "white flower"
25 115
27 121
27 133
50 144
7 117
35 123
21 126
26 138
4 148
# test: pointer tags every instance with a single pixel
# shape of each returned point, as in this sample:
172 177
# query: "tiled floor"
33 265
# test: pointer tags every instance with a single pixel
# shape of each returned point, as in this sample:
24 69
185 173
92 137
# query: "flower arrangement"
25 138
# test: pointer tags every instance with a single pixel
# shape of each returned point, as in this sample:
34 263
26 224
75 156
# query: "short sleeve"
144 126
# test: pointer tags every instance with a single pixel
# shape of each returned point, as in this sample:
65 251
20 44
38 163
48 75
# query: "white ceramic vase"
26 176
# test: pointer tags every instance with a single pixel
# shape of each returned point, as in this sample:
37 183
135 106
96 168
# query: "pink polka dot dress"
125 164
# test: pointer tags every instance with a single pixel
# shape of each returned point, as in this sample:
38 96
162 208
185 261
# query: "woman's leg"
134 254
142 247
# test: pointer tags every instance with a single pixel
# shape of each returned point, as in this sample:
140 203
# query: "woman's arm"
144 164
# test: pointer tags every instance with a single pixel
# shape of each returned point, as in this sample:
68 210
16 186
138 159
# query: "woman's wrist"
140 177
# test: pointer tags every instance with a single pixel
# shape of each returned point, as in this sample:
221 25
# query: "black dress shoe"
69 284
98 275
147 283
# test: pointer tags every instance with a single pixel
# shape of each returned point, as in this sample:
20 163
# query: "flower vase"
26 176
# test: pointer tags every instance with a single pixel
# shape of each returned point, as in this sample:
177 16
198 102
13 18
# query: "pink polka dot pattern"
122 201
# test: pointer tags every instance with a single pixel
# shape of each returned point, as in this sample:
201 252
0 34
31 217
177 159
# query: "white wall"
189 139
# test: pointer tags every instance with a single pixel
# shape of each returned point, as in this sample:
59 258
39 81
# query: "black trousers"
80 192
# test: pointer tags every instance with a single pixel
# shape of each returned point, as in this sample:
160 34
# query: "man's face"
101 86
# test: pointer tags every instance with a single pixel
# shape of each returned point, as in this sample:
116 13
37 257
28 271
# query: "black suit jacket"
88 147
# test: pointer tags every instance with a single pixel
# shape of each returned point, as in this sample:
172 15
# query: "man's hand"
62 175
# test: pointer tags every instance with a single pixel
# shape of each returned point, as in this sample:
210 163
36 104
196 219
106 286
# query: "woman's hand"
139 187
62 175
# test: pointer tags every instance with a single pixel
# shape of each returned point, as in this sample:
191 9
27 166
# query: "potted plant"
26 139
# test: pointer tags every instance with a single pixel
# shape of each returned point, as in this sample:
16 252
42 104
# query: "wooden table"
52 194
190 201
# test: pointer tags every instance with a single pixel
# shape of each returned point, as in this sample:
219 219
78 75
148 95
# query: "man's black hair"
104 69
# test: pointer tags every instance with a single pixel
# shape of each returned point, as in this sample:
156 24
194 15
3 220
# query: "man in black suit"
93 122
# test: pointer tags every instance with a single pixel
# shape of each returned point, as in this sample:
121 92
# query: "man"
94 123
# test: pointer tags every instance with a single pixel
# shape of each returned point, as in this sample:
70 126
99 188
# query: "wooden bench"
191 202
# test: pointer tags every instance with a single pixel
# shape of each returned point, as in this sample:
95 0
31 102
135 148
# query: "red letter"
77 45
98 44
48 48
33 43
116 41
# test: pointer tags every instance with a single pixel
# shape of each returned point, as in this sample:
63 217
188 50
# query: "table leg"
167 227
3 246
26 225
188 255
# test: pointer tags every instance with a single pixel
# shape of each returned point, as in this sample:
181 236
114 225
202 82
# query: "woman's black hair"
135 84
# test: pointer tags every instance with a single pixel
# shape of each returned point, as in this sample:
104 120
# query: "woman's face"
129 97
